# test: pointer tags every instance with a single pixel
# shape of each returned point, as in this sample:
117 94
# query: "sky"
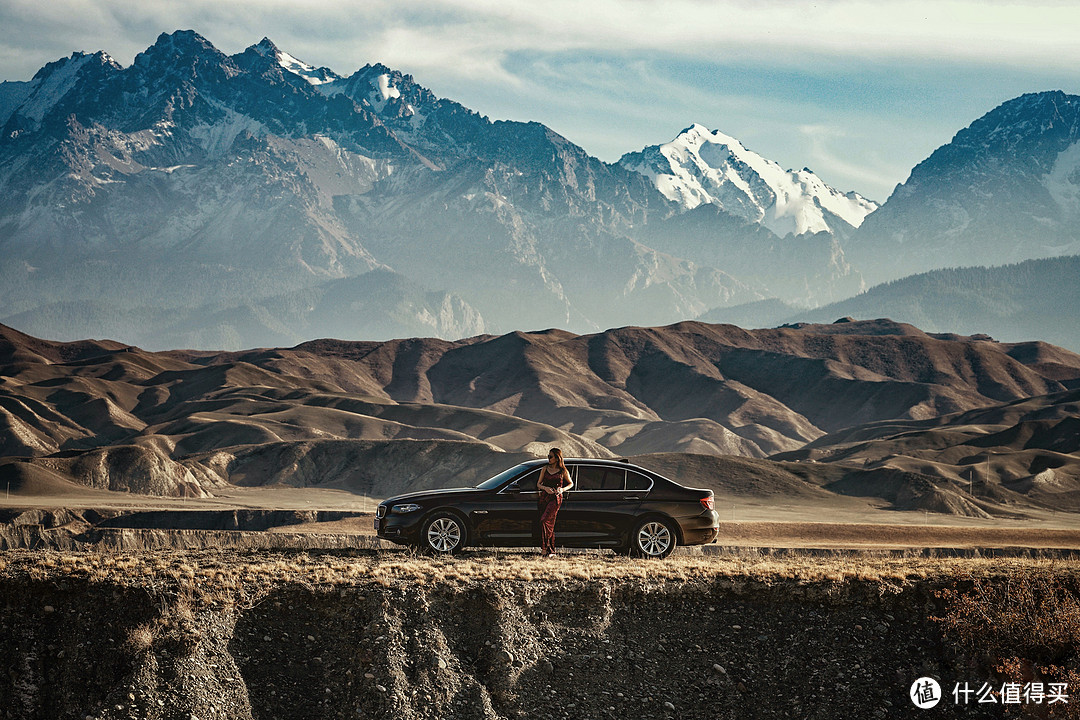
858 91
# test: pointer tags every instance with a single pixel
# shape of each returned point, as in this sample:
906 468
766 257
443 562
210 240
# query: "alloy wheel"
654 538
444 534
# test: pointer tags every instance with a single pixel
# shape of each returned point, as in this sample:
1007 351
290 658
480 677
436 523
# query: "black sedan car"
613 504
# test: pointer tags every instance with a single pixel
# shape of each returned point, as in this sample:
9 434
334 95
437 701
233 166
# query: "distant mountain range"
197 199
1005 189
1035 298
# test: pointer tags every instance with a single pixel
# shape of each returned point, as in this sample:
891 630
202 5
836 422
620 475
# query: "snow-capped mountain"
708 167
1005 189
217 192
198 198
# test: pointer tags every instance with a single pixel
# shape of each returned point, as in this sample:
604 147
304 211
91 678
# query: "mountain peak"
183 48
183 40
266 46
313 75
702 166
1006 187
377 85
697 134
77 59
695 129
51 84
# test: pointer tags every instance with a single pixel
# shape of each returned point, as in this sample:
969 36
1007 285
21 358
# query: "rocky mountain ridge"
234 178
201 199
223 181
1010 303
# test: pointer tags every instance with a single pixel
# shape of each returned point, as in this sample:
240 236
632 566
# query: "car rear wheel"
443 533
652 538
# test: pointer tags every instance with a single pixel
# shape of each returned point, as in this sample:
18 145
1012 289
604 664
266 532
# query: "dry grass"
1020 628
238 576
1016 619
140 639
879 536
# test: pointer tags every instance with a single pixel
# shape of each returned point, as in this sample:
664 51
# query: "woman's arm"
568 482
540 487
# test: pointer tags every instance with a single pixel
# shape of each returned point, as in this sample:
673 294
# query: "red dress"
549 505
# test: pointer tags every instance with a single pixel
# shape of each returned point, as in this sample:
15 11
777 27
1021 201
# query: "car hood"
425 494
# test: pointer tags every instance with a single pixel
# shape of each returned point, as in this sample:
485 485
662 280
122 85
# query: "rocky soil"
345 634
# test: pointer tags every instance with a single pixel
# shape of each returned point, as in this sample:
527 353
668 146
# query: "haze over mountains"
196 199
1013 302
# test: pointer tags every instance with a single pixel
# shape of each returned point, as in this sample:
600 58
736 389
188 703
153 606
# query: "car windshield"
502 477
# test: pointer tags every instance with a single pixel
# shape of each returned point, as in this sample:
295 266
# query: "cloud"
973 31
475 36
896 78
870 171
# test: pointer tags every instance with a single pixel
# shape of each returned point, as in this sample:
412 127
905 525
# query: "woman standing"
553 482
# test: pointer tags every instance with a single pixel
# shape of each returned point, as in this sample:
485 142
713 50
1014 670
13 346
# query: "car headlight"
406 508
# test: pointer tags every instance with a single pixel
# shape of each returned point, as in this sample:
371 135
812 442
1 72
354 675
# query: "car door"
598 509
510 517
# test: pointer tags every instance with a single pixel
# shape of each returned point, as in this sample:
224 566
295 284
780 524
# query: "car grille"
380 511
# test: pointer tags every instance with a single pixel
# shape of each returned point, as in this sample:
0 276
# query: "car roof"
609 462
592 461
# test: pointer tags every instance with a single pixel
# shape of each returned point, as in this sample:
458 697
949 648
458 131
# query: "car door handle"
631 497
479 512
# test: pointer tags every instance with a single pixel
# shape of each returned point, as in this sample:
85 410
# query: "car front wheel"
652 538
443 533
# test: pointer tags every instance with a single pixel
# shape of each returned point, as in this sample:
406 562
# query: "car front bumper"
399 528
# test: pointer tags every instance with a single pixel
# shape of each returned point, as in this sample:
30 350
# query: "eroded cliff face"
171 639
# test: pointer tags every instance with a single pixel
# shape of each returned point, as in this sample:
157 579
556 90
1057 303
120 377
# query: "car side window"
636 481
596 477
614 479
526 482
589 477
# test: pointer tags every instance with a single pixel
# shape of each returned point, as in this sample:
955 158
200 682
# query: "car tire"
444 533
653 537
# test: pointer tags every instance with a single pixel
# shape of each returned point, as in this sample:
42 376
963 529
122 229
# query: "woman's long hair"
558 458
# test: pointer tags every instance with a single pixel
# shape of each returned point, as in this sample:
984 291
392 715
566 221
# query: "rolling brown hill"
992 460
378 418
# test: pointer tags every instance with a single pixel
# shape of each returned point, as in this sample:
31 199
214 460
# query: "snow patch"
310 73
51 90
386 90
383 91
1063 180
314 75
218 138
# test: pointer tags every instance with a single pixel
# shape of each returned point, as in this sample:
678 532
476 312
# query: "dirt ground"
844 523
503 636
